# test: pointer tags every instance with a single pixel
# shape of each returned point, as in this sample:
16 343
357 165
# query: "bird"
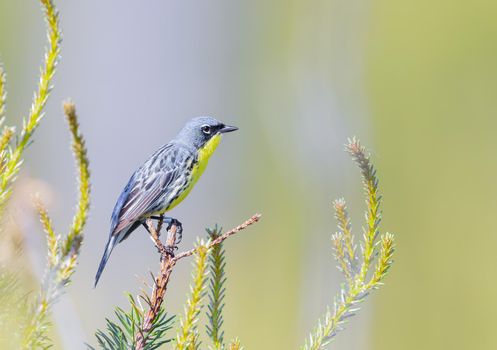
164 180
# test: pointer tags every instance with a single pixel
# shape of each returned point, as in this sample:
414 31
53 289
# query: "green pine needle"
74 238
120 334
14 159
188 337
52 239
357 287
61 262
217 291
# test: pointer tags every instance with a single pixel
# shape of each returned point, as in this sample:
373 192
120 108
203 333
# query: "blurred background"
415 81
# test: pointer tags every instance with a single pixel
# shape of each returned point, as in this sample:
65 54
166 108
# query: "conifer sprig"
345 229
121 335
5 149
357 287
52 238
188 337
217 291
14 159
73 239
62 252
373 200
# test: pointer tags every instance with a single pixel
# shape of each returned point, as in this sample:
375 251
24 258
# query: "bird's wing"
148 185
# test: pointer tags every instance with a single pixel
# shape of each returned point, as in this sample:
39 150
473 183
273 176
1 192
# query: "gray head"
198 131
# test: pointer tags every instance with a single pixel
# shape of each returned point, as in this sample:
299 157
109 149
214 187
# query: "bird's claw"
169 250
179 230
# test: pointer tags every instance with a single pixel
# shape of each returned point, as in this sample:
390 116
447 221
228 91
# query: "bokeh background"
416 81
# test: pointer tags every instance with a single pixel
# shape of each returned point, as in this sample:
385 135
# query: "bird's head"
202 131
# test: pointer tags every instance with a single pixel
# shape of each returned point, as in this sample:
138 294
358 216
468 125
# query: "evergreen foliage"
360 279
120 335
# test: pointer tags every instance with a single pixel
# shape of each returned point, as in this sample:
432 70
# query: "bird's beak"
228 128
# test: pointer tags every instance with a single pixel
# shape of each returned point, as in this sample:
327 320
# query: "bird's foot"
179 229
179 234
170 249
170 223
160 221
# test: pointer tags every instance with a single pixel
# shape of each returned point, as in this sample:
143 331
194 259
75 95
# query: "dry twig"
168 261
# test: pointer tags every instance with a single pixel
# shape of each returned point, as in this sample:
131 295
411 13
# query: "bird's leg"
146 228
170 222
160 221
179 231
154 236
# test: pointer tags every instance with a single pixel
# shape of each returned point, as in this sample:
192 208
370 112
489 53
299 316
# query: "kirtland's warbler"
164 180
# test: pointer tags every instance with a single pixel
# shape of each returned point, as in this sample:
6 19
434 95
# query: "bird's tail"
111 243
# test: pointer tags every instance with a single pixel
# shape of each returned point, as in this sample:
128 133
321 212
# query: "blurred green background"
415 81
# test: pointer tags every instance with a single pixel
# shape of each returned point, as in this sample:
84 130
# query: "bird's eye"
206 129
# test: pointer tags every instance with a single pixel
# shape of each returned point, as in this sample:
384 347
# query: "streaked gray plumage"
161 180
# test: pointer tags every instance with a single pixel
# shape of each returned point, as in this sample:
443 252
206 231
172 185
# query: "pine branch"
373 200
14 159
62 253
356 288
73 239
121 334
160 283
168 261
255 218
344 226
385 260
217 291
52 238
187 337
341 256
5 149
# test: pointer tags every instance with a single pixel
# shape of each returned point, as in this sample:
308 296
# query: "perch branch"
221 238
168 261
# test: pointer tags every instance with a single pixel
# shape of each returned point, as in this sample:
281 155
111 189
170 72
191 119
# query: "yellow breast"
203 157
